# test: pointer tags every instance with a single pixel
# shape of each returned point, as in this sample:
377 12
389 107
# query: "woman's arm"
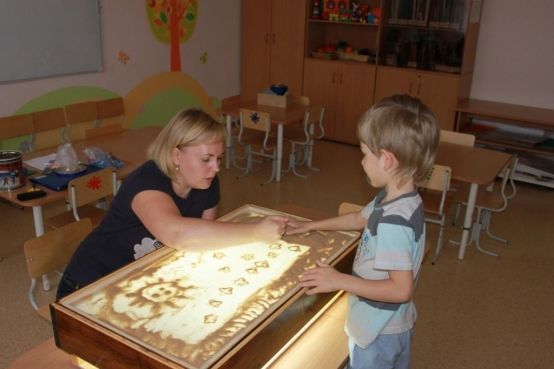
324 278
159 214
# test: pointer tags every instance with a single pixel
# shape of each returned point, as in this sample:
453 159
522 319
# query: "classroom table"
129 146
281 117
475 166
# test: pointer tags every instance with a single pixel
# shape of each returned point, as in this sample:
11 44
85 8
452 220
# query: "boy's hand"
322 278
297 227
271 228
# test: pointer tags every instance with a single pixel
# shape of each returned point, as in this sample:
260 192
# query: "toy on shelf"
316 9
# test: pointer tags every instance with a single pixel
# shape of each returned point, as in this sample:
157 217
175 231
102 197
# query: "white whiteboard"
43 38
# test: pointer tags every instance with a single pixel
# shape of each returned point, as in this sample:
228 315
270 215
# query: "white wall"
515 53
124 27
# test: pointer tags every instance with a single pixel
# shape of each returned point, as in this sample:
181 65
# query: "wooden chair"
434 191
85 192
50 125
18 126
50 252
80 114
488 202
458 138
261 145
102 131
348 207
110 111
302 138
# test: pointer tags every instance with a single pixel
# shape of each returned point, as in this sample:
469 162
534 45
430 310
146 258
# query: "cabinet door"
440 94
320 78
391 81
288 19
256 23
354 97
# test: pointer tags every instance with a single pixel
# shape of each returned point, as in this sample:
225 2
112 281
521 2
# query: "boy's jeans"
388 351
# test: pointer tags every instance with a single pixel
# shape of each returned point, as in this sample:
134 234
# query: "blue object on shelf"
279 89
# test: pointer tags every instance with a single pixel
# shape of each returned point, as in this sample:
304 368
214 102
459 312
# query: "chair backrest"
437 179
49 120
255 120
110 108
348 207
102 131
91 188
458 138
79 113
53 249
317 114
300 100
17 126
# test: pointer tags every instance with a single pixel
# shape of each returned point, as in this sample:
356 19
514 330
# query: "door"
391 81
320 78
440 94
288 19
354 97
256 29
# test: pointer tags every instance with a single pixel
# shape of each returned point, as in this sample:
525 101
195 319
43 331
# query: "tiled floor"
482 312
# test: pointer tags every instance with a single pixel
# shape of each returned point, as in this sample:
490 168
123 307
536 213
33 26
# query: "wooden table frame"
292 114
473 165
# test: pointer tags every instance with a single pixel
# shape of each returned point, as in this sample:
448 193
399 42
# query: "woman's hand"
298 227
271 228
322 278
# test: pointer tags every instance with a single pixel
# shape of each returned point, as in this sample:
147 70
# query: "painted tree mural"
172 22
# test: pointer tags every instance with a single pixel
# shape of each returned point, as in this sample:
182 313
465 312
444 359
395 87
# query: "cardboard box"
274 100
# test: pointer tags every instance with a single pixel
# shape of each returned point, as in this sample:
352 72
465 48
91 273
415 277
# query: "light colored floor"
481 312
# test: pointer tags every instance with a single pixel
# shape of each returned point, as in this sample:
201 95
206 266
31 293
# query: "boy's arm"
324 278
345 222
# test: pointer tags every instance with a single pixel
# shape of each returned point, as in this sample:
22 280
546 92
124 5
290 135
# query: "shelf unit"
416 54
522 130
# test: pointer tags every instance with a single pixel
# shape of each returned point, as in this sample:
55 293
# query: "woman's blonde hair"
188 127
404 126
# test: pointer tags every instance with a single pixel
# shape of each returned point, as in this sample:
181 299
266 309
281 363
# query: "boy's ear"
389 160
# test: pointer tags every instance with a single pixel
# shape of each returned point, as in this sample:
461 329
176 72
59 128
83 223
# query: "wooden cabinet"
345 89
439 91
272 45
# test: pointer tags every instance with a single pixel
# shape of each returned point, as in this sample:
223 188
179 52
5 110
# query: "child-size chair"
488 201
17 126
49 128
433 190
83 193
79 117
50 252
255 136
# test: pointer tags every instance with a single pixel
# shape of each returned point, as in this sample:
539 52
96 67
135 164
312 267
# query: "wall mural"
172 22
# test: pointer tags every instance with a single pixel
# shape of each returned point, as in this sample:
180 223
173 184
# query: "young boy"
398 137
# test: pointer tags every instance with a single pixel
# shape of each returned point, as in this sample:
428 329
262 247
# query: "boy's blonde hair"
404 126
188 127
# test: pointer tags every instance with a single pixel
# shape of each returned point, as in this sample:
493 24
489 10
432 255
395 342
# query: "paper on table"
41 162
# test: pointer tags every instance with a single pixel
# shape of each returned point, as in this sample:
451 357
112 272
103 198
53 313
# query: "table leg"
468 219
228 141
279 151
39 231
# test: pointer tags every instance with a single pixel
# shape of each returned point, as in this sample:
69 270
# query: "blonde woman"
170 200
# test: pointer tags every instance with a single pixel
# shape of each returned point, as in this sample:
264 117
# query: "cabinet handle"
418 88
273 38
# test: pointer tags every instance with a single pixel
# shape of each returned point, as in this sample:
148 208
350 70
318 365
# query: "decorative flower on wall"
123 57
